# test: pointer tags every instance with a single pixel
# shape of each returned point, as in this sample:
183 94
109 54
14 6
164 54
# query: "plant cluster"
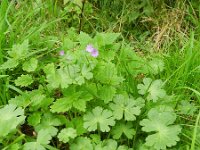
89 96
62 88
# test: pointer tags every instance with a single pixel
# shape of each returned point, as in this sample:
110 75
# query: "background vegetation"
148 60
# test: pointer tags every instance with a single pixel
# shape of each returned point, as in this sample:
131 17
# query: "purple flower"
89 48
62 52
94 52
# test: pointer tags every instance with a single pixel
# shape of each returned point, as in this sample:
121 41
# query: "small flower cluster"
94 52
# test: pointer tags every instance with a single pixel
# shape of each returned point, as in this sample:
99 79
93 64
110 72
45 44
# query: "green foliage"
10 118
30 65
187 108
106 93
113 89
107 74
89 94
109 144
9 64
106 38
34 119
82 143
99 117
123 128
160 121
24 80
66 134
56 78
43 139
49 122
77 100
125 106
19 51
77 123
153 89
156 66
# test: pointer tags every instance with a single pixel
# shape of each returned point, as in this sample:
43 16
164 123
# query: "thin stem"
81 16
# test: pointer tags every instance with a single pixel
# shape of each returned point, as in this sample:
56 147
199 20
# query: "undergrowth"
99 75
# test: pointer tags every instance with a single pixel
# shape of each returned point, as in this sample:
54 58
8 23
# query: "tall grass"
4 95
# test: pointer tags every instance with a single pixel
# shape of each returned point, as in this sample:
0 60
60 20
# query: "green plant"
62 88
74 85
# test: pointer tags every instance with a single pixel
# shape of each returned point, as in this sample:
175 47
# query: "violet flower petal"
62 52
89 48
94 53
